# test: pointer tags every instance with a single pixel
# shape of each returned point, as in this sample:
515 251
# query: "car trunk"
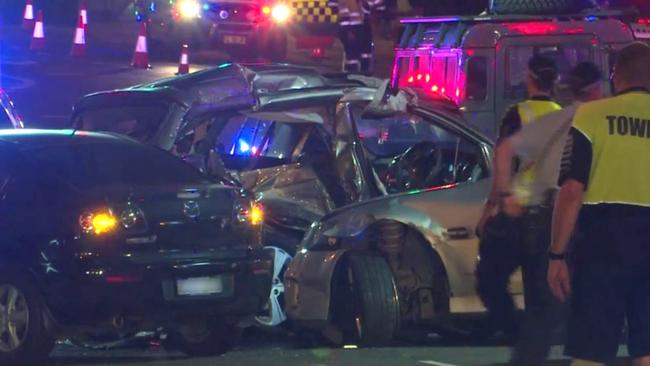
179 223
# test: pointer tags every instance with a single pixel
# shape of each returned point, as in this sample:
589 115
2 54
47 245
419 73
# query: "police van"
257 27
480 62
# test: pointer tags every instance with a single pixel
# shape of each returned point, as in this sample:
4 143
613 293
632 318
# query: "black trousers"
358 47
610 285
509 244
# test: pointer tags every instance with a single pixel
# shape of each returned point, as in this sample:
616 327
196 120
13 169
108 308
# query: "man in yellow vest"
607 193
509 242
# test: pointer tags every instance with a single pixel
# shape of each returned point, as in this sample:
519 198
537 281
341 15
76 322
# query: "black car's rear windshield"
140 122
96 165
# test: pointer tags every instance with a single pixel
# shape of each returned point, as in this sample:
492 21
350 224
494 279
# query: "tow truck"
241 27
479 62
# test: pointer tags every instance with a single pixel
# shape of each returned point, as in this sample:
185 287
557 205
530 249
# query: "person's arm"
511 123
565 214
500 181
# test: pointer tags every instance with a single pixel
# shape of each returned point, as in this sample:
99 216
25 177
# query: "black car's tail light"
251 213
98 222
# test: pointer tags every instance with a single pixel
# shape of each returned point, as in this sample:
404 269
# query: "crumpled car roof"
228 86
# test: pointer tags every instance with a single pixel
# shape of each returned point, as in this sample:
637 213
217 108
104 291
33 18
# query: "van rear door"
514 52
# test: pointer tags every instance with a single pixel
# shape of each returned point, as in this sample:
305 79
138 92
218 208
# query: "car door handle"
458 233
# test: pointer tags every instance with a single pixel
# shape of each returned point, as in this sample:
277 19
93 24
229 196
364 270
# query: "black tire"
539 6
216 339
366 306
37 342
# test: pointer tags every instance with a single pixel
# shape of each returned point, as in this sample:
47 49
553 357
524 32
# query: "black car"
101 236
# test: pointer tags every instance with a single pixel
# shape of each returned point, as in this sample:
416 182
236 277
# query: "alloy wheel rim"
14 318
274 314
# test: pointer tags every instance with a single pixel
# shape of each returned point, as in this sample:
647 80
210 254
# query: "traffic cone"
141 54
38 37
28 16
79 42
184 62
83 12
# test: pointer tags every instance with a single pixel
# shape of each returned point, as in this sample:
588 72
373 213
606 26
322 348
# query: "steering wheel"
416 168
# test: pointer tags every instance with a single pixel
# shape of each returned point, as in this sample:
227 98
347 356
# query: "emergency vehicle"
480 62
255 27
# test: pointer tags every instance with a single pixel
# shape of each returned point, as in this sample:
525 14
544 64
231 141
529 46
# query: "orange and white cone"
38 37
83 12
141 54
28 16
79 42
184 62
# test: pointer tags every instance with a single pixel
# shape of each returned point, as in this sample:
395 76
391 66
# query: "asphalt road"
279 350
45 85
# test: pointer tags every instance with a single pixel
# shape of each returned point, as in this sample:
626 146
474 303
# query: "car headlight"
280 13
189 9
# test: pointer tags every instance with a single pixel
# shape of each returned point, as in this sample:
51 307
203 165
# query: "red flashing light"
470 52
419 77
443 91
457 92
434 88
317 52
410 79
645 21
533 28
427 78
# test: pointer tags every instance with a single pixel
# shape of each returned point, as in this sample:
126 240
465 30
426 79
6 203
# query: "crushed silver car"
405 251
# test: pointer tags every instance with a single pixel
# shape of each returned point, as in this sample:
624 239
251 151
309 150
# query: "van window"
517 57
477 78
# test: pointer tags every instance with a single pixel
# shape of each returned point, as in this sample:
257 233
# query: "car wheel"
539 6
274 310
366 306
205 338
23 337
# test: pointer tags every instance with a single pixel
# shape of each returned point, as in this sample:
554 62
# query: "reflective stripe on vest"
619 131
529 111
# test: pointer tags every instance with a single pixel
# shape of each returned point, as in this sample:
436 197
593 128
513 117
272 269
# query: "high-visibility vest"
619 131
530 110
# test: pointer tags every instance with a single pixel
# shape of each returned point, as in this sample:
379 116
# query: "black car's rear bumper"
147 291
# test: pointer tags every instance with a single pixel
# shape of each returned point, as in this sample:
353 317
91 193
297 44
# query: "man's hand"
510 206
559 279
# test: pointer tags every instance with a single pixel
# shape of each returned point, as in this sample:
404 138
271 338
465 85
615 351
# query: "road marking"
436 363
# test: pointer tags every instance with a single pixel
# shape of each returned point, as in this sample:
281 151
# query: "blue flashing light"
244 146
206 6
223 66
591 18
152 7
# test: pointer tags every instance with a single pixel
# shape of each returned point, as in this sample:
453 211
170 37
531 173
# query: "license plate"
234 40
199 286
